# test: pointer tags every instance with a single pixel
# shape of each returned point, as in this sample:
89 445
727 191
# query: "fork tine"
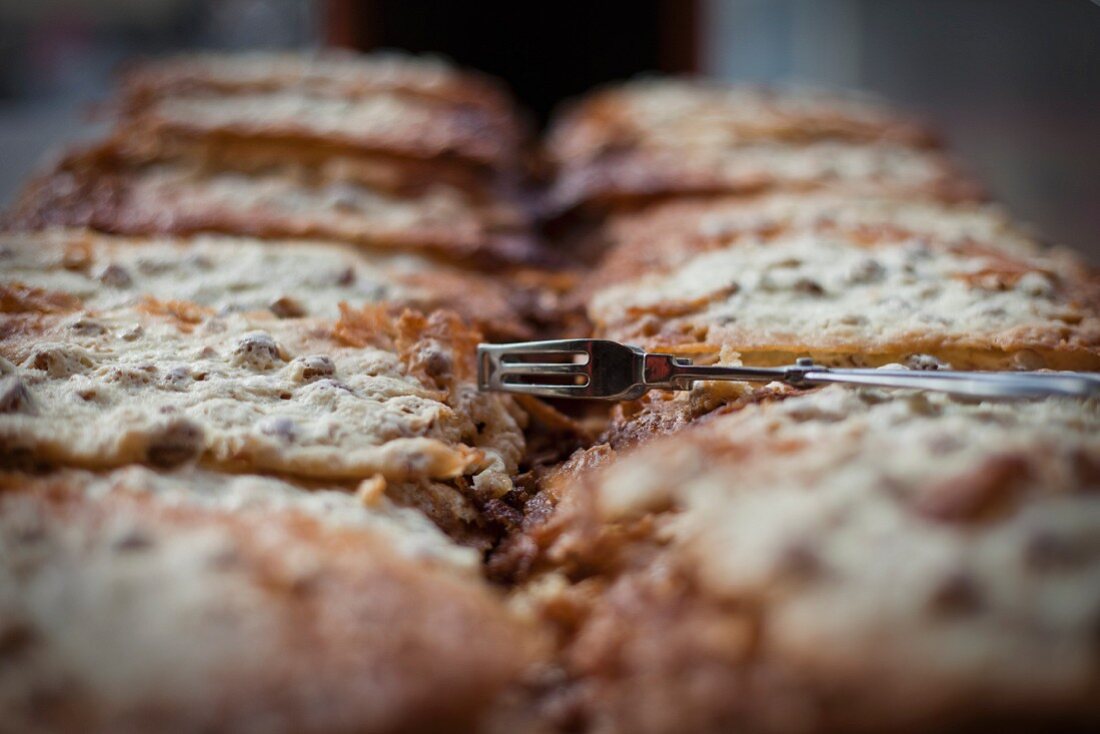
556 347
567 391
495 369
539 368
617 374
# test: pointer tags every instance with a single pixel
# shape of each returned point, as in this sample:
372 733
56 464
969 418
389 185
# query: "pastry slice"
844 560
372 395
631 179
190 600
846 296
655 113
129 187
650 139
419 108
289 278
666 235
334 73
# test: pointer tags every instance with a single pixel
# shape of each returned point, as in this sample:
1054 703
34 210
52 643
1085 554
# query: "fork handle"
971 384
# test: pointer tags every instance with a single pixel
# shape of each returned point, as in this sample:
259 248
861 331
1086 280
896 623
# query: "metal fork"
607 370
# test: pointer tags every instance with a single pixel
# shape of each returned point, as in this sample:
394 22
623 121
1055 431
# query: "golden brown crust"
624 180
116 189
416 129
645 113
335 73
379 171
16 297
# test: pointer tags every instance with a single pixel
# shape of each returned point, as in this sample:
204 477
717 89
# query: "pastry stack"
247 481
763 559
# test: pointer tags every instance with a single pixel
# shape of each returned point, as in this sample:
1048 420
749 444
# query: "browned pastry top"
375 201
333 73
652 139
417 107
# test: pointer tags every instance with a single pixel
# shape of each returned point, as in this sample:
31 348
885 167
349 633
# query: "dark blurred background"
1014 83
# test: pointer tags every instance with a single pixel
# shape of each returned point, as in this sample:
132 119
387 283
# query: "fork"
603 369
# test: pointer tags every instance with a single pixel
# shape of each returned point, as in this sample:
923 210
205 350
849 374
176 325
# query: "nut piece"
371 490
15 397
116 276
258 351
312 367
180 440
286 307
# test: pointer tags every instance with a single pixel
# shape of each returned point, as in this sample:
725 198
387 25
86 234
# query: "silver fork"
607 370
